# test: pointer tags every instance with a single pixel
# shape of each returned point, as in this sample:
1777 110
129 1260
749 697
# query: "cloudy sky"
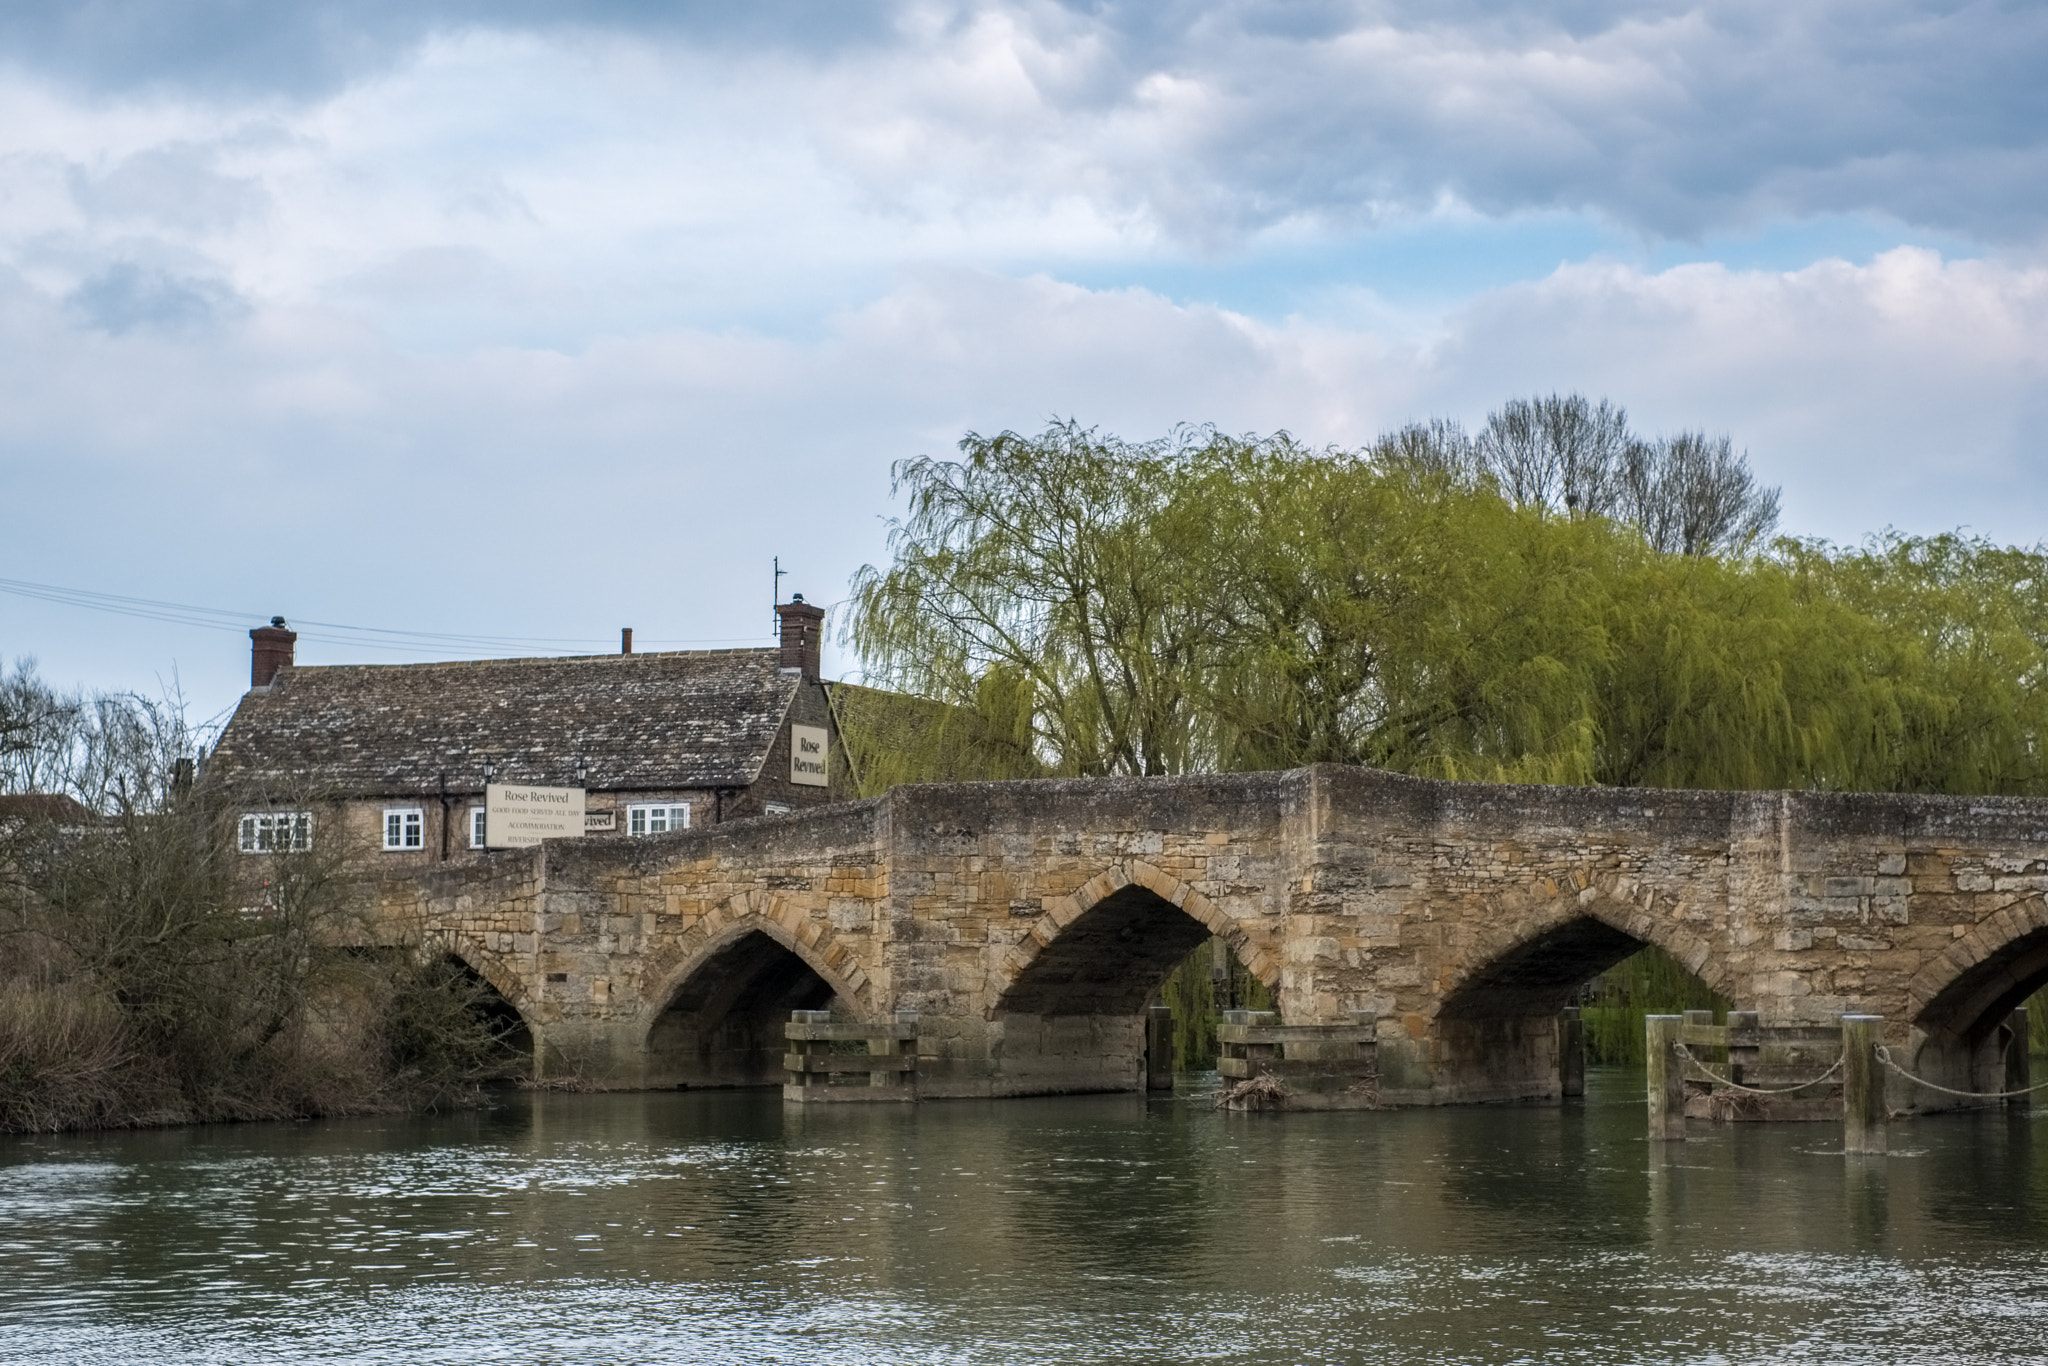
503 324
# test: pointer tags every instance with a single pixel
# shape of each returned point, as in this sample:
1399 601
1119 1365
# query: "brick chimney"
803 635
270 650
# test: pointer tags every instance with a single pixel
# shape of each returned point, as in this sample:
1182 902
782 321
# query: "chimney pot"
270 649
625 640
803 635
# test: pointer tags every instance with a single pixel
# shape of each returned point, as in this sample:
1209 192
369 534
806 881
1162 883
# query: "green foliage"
1033 560
1945 640
1071 603
1200 988
1650 982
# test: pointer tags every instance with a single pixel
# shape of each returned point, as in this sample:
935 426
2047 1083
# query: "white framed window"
476 827
405 827
657 819
267 832
777 808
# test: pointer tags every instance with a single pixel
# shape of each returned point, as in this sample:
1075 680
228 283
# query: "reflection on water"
723 1227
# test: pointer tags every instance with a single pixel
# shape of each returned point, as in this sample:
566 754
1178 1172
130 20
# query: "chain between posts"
1835 1067
1884 1056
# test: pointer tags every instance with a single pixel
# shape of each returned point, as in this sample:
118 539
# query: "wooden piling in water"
1571 1053
1667 1076
887 1071
1744 1056
1317 1067
1159 1049
1862 1084
2019 1069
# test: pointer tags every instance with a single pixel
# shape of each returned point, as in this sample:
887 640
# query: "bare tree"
1693 494
38 730
1561 453
109 750
1439 447
1689 494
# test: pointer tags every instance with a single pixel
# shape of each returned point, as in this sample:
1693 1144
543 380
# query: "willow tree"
1036 561
1374 613
1073 603
1948 658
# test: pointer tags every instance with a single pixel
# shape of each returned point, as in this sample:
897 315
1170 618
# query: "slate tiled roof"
42 806
696 718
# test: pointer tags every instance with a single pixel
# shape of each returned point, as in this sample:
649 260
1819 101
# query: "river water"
724 1227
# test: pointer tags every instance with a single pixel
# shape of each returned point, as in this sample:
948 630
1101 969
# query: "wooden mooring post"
1666 1077
886 1070
1862 1084
1571 1053
1745 1046
1159 1049
2019 1070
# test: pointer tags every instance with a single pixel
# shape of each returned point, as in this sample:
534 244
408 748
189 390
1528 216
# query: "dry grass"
68 1061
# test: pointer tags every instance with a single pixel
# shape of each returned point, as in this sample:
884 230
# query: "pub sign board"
808 755
517 815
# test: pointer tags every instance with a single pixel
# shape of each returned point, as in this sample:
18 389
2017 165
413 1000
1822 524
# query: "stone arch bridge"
1031 922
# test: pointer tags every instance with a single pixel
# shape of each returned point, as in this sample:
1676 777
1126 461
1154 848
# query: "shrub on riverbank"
156 974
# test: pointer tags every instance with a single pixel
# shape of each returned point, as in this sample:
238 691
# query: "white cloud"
302 463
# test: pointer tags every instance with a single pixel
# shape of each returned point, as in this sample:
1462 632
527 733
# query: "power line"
361 637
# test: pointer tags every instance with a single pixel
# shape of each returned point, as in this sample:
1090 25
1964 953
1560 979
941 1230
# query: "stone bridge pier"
1030 923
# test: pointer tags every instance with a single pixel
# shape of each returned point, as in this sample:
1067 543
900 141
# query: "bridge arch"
1964 994
716 1017
1068 1002
1105 947
1530 961
490 968
1497 1005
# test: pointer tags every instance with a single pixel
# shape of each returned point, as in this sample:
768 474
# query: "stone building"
392 759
